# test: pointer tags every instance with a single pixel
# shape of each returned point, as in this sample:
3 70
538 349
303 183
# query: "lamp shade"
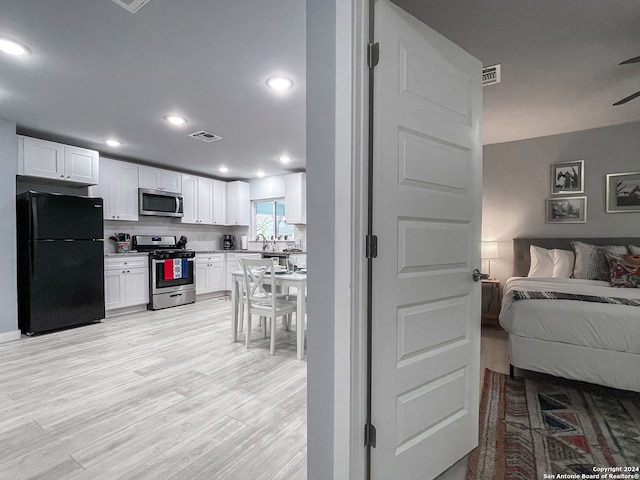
489 249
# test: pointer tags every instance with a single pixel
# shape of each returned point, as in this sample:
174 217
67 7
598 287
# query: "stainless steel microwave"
160 203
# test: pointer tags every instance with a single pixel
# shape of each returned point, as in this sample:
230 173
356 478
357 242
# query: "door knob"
478 276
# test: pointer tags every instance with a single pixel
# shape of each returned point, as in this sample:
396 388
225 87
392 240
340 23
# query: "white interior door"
426 215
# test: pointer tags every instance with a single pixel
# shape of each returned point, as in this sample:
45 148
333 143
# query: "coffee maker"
227 242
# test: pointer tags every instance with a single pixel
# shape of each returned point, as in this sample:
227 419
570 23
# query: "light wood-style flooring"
154 395
160 395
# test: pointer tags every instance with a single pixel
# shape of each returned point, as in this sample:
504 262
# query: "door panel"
137 286
81 165
426 214
67 284
64 217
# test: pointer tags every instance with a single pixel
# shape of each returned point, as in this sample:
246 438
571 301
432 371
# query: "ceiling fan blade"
631 60
627 99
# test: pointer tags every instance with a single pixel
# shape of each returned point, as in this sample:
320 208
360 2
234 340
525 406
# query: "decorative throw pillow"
541 262
624 270
591 263
562 263
633 250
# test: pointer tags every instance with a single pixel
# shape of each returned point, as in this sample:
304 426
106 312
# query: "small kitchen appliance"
160 203
172 279
228 242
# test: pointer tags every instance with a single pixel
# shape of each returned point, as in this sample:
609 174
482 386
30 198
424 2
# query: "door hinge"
369 435
372 246
373 54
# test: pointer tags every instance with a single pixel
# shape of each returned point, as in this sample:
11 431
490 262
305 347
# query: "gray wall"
9 296
517 181
321 96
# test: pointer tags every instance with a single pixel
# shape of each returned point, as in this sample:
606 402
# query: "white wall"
8 288
517 181
320 153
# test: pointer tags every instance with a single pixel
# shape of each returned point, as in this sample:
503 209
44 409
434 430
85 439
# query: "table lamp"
489 251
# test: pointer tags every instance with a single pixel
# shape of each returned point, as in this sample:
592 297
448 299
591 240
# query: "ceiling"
97 71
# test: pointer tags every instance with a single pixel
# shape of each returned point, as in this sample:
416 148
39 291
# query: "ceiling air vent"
131 6
491 75
205 136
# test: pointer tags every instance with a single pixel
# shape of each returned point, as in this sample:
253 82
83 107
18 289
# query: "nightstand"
491 298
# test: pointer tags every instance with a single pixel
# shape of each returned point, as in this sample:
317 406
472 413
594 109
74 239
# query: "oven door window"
173 282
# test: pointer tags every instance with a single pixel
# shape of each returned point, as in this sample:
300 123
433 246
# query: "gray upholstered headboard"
522 259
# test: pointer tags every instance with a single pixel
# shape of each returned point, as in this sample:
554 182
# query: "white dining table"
286 280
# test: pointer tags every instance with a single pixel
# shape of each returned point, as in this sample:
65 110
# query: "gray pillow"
633 250
591 264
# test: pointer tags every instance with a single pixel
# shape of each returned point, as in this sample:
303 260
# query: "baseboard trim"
10 336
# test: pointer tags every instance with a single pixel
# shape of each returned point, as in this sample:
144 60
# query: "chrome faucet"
264 241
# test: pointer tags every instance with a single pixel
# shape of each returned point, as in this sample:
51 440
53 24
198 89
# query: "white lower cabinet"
233 264
299 259
126 282
209 273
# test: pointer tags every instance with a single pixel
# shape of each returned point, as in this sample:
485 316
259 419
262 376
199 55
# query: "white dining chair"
261 301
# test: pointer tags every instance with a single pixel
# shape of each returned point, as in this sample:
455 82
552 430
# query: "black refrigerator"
60 242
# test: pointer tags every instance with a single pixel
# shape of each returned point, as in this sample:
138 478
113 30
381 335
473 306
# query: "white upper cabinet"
295 198
44 159
119 188
219 202
205 200
197 193
159 179
190 199
238 205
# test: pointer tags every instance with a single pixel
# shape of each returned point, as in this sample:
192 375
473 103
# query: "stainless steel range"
172 279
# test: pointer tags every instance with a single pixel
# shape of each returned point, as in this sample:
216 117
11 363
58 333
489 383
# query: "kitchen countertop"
132 254
228 251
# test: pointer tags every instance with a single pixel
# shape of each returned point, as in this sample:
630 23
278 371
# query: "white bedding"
573 322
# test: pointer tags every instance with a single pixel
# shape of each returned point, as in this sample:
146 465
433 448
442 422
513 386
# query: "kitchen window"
269 220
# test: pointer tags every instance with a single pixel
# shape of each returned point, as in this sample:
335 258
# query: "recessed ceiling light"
175 119
223 169
13 48
112 142
260 174
284 160
280 83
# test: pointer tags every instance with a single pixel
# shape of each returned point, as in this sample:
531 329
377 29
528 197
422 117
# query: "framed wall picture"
623 192
567 178
567 210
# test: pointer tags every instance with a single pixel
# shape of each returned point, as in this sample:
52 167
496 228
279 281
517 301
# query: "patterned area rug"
564 429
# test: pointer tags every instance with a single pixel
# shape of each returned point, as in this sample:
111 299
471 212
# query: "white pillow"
541 262
554 263
563 261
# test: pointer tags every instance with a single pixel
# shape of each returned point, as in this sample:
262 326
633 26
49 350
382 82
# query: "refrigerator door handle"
34 220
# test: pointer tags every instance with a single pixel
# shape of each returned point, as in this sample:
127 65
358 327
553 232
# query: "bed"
580 329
